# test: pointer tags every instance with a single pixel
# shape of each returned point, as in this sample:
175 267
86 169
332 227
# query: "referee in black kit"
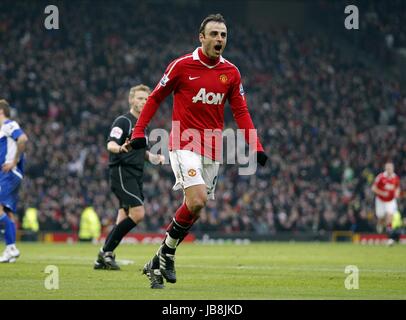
126 176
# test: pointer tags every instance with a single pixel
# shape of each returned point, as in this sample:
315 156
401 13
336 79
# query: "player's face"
389 168
138 100
2 116
214 39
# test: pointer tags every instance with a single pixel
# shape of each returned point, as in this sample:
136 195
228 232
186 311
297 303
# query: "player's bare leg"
185 217
380 227
389 217
196 198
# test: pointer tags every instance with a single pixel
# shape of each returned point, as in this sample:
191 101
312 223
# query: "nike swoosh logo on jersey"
193 78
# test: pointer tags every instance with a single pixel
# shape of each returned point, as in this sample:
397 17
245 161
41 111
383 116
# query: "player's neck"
2 120
206 59
388 175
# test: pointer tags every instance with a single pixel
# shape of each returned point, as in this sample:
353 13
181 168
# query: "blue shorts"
9 185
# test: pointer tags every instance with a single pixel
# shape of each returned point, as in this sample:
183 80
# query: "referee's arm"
154 158
114 147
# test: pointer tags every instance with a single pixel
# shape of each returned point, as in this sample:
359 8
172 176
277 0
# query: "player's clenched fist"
138 143
261 158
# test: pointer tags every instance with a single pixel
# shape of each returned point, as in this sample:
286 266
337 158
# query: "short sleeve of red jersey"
377 179
164 87
240 110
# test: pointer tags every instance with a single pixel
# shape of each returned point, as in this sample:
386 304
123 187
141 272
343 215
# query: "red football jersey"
389 184
201 88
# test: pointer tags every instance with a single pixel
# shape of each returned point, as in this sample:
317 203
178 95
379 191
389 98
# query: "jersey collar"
130 115
198 55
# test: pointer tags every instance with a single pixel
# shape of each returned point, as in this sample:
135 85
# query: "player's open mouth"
218 47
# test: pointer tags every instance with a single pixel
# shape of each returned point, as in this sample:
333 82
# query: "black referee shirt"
121 129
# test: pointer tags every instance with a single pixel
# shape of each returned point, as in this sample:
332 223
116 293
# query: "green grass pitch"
261 271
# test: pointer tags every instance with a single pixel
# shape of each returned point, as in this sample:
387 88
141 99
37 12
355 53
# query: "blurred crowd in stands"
381 25
327 123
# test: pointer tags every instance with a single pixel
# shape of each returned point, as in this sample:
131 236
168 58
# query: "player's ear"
201 37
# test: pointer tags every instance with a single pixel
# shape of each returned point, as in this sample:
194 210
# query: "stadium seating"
328 124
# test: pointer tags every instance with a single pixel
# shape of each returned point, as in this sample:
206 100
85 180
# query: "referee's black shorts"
126 184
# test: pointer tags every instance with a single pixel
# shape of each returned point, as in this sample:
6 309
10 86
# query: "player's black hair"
5 107
212 17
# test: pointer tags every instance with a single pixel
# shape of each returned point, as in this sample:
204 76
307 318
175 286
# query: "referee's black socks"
118 233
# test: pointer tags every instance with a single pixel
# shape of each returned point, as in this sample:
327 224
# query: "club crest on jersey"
209 97
164 80
223 78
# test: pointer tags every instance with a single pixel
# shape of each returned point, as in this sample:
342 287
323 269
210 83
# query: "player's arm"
378 191
154 158
397 190
21 139
165 86
243 119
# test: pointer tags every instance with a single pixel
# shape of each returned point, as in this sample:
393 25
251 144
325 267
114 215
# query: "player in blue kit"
12 145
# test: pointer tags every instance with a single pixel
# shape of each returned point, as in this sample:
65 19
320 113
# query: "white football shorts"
192 169
383 207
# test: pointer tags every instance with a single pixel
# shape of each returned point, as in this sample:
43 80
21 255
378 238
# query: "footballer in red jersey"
201 83
386 188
